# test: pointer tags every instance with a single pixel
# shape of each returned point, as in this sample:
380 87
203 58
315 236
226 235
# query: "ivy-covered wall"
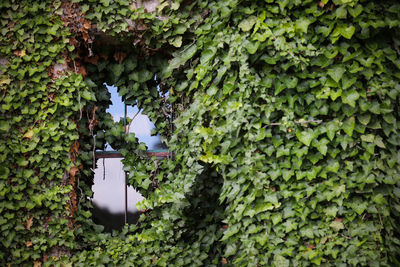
282 117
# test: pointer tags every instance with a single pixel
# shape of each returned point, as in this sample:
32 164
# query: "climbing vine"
281 117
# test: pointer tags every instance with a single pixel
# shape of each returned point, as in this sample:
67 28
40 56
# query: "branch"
129 125
297 122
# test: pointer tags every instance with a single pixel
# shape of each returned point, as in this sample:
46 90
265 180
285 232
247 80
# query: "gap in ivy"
104 68
141 124
109 196
109 185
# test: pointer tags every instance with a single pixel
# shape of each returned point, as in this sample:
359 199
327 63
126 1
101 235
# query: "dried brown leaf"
310 246
75 147
92 60
82 71
119 56
87 25
20 53
29 134
29 222
52 96
338 219
73 171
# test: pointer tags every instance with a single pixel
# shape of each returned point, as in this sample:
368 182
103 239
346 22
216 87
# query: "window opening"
109 196
141 124
114 203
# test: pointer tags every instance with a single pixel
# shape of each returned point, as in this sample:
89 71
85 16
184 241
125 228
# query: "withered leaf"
87 25
338 219
28 134
29 222
20 53
92 60
73 171
119 56
82 71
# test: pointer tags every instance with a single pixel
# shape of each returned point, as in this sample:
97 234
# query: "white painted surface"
109 193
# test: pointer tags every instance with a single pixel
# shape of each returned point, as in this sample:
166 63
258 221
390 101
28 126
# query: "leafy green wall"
282 116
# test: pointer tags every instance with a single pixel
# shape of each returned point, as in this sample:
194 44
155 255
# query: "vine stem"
129 125
104 169
94 152
297 122
79 95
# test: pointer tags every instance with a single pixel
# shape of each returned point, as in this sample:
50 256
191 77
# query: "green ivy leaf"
290 82
321 145
84 8
141 76
208 54
117 69
277 217
364 118
274 174
280 261
22 162
187 52
341 12
347 31
4 126
348 126
263 206
331 211
379 199
4 171
262 238
233 229
302 24
356 10
279 87
358 206
337 225
347 81
130 64
177 41
332 166
307 232
231 249
335 94
248 23
396 192
52 30
306 136
331 128
350 97
251 46
369 138
106 3
379 141
336 72
86 95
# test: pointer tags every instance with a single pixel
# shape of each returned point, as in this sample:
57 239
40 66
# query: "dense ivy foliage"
282 116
